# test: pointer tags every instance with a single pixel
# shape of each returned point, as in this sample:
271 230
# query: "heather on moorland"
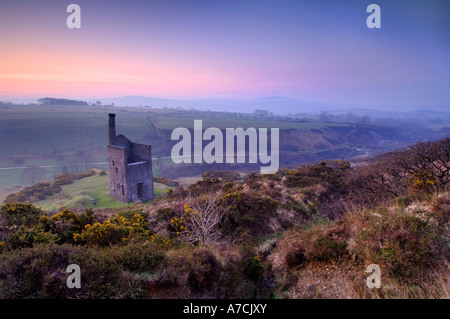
305 232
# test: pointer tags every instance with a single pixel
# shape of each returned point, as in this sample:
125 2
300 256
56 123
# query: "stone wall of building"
142 152
117 172
139 181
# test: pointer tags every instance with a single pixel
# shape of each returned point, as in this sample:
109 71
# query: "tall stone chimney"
111 127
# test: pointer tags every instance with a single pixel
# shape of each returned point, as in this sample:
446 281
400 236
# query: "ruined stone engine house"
130 167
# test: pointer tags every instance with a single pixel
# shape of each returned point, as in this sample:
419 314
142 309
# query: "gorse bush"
222 174
422 181
66 224
18 214
329 171
178 225
165 213
29 236
69 178
64 179
116 230
255 268
164 242
88 173
26 225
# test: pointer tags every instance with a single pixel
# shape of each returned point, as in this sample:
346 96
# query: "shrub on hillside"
37 192
88 173
165 213
409 242
40 272
17 214
69 178
65 224
28 236
64 179
404 241
326 249
114 231
202 273
196 269
322 243
139 257
249 214
221 174
255 268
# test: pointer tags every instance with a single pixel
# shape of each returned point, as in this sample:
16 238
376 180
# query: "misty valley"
72 138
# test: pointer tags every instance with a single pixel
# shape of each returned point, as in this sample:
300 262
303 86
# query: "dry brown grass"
408 242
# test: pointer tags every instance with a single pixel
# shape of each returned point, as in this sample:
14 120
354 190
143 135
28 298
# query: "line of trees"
55 101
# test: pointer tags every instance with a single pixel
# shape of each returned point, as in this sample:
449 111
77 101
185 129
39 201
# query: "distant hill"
276 104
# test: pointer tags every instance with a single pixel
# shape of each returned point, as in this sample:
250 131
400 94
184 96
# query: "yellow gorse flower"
117 229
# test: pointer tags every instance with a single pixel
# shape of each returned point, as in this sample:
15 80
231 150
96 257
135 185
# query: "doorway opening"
140 190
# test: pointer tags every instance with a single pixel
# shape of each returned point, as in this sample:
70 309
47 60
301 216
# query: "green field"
77 196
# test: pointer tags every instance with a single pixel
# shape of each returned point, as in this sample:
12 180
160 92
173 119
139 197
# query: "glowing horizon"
318 51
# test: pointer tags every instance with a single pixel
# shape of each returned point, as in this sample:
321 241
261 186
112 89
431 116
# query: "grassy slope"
77 195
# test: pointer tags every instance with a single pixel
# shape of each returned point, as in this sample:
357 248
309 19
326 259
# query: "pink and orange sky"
314 50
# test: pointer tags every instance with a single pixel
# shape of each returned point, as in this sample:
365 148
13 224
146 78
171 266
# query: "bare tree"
32 174
76 167
201 218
